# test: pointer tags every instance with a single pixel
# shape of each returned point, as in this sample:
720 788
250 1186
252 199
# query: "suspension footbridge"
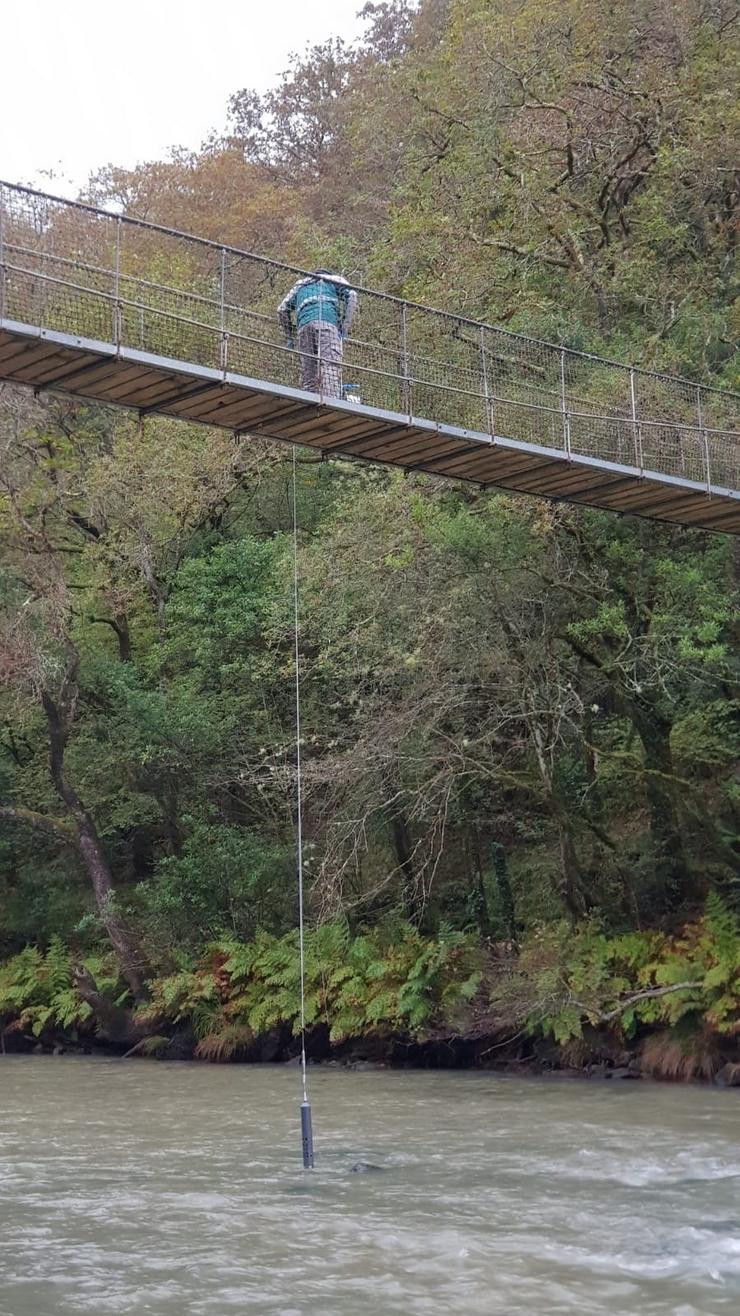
116 310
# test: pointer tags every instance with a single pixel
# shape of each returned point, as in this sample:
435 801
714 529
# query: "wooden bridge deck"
45 359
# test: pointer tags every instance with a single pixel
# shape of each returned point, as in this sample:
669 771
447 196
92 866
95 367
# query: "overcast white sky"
85 83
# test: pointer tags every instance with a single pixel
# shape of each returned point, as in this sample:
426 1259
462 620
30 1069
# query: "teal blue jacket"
326 298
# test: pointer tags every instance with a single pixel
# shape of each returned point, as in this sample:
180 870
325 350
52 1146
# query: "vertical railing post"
707 463
117 313
564 404
705 441
223 349
636 431
484 378
320 379
2 253
405 381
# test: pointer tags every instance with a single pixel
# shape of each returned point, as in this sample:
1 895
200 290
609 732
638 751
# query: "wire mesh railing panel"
169 260
444 370
255 283
253 347
374 368
724 458
597 387
40 300
164 333
674 450
58 264
660 398
81 271
717 410
50 228
520 370
528 423
609 438
372 373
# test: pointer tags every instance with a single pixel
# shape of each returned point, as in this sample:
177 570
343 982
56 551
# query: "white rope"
299 785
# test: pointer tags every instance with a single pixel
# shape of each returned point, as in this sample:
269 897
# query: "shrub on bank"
677 996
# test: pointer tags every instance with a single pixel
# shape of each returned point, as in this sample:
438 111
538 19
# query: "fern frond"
225 1043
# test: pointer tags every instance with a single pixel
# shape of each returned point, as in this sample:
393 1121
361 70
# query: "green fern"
156 1045
224 1043
390 979
57 966
205 1015
37 991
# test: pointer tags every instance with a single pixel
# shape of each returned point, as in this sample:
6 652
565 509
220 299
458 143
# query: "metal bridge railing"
73 268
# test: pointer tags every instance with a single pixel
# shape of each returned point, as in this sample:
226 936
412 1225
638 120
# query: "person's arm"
285 314
349 306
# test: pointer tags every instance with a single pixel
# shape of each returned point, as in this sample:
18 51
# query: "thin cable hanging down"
306 1129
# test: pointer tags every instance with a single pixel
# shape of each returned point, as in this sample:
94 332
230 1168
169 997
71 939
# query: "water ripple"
141 1189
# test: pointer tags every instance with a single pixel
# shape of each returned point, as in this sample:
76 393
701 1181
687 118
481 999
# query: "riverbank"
573 1000
598 1057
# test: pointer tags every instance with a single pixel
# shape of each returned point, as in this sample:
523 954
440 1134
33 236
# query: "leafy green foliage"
384 981
38 993
565 979
390 981
481 674
227 880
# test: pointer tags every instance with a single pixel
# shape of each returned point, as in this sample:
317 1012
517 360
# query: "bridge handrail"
643 423
228 306
94 279
258 315
244 254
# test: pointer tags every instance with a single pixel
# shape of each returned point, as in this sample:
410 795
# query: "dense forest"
520 727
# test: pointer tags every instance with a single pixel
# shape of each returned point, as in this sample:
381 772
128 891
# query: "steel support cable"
306 1130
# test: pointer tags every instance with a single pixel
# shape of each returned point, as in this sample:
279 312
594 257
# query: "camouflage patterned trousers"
320 349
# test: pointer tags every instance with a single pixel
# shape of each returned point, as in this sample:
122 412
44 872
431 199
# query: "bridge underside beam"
146 383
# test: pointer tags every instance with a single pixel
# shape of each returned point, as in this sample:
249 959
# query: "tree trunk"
668 852
573 883
119 626
123 635
483 912
413 906
503 887
115 1022
92 852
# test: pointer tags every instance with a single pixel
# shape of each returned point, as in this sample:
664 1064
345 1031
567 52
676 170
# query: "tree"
80 539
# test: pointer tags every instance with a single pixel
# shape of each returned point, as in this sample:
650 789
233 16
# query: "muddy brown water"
176 1190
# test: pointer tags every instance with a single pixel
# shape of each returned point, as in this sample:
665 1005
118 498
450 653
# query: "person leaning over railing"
318 313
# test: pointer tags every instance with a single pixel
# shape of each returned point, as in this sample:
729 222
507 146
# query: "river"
176 1190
